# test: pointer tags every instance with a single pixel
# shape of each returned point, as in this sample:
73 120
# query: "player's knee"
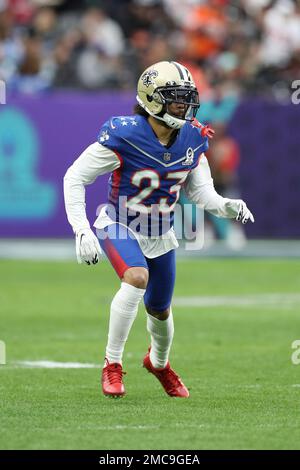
137 277
160 315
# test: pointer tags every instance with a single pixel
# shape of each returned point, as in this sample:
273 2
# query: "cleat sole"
113 396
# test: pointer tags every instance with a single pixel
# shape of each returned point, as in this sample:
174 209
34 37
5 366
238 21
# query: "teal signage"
22 194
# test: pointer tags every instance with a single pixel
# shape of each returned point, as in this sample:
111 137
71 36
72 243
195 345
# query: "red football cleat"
168 378
112 380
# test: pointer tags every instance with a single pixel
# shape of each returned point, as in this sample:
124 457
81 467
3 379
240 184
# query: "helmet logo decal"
189 157
148 77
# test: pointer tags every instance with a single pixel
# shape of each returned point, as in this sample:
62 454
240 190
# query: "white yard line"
55 365
180 426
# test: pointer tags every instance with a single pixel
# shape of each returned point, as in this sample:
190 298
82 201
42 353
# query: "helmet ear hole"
149 98
157 97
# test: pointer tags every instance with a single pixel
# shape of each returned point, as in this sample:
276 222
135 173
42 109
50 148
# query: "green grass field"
235 358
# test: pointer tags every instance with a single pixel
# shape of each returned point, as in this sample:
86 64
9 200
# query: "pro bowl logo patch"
189 157
104 136
148 77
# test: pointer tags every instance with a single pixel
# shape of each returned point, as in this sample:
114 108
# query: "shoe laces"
170 378
114 373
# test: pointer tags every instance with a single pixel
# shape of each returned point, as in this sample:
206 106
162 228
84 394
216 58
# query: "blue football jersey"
145 188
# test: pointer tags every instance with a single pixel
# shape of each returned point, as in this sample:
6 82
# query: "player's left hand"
206 131
238 209
87 247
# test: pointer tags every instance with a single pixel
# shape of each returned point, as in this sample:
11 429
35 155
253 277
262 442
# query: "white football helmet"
164 83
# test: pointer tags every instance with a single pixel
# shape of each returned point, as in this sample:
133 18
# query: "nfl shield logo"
167 157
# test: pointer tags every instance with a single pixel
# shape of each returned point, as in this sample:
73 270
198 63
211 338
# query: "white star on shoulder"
124 123
134 123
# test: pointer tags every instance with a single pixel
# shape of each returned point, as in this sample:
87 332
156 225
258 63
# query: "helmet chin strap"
172 121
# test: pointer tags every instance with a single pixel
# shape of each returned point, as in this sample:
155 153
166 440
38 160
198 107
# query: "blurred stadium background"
67 66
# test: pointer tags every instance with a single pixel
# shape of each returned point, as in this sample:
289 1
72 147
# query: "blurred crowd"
231 47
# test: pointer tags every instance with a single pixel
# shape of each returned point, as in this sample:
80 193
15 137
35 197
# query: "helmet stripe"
180 69
188 74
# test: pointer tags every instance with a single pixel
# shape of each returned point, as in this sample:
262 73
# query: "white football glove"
87 247
236 208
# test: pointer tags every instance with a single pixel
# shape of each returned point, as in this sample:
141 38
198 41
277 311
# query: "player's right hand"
237 208
87 247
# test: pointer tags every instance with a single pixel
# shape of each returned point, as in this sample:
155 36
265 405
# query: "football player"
151 155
